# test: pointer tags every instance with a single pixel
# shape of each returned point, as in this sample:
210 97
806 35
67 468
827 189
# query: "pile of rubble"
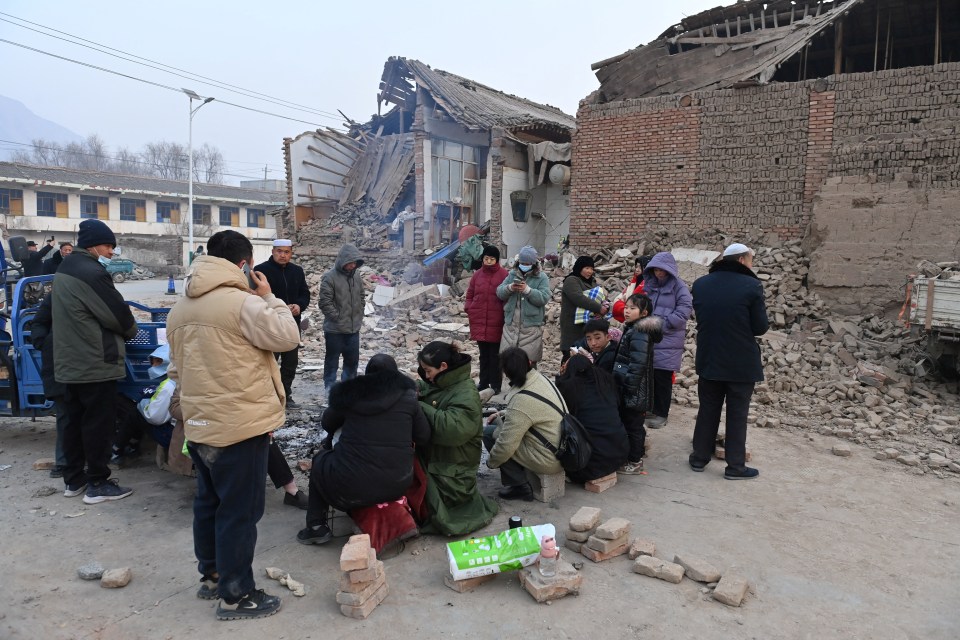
850 377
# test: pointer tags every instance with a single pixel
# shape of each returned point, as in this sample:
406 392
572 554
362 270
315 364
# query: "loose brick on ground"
585 519
596 556
463 586
356 555
367 607
613 529
697 568
573 545
601 484
357 598
731 590
657 568
606 546
642 547
579 536
354 581
543 589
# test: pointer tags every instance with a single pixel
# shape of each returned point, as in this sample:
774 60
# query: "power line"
102 48
150 82
118 159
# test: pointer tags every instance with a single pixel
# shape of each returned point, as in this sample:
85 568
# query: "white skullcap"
737 249
282 243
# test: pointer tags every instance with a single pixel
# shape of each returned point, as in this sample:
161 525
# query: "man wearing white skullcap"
728 303
288 282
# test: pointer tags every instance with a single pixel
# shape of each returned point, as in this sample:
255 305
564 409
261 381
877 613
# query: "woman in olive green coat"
452 405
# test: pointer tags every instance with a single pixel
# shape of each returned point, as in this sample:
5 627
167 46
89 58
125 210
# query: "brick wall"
756 159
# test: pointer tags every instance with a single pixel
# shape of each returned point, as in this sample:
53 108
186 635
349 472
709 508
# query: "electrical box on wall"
520 204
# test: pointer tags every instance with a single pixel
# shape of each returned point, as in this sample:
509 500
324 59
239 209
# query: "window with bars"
168 212
256 218
201 214
51 205
133 210
11 202
94 206
229 216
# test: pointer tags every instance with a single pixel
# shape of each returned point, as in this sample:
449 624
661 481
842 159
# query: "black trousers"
88 437
277 467
317 505
636 433
713 394
288 368
490 366
512 473
226 509
662 392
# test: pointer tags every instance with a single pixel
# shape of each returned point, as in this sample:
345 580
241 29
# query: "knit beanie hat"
528 255
581 263
492 251
94 232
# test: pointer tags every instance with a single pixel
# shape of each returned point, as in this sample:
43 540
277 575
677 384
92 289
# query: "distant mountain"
19 124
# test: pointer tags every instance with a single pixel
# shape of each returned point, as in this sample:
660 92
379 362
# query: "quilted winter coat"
672 302
483 307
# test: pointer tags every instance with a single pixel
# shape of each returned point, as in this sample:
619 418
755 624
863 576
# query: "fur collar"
650 324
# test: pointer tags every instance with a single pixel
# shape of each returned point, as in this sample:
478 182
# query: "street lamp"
193 96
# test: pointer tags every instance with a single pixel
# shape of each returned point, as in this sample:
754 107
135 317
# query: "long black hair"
515 364
581 378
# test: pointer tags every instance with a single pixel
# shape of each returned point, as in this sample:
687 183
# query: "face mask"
525 267
157 372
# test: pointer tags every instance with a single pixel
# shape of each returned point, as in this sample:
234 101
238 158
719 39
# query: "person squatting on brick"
672 302
730 313
223 335
376 421
288 282
341 299
92 323
633 371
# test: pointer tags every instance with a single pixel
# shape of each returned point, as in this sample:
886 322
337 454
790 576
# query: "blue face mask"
103 261
525 267
157 372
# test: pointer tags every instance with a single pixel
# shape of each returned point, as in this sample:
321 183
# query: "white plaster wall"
557 216
518 234
299 152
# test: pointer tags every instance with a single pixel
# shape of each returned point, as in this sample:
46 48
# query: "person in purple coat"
485 312
671 301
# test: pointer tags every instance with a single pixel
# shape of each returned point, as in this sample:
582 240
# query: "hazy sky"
321 54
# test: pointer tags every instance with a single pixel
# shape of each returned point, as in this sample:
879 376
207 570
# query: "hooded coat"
341 297
222 340
633 368
483 307
453 409
573 297
379 420
93 322
524 412
672 302
730 314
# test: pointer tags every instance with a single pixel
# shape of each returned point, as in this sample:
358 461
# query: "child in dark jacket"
598 343
633 371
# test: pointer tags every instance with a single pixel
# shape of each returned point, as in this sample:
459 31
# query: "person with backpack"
633 371
511 437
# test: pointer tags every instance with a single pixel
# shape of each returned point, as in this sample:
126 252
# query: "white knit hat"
737 249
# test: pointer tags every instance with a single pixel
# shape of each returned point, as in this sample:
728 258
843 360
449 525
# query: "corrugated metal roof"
470 103
134 184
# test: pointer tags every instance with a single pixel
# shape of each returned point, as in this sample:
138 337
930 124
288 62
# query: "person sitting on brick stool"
513 447
379 422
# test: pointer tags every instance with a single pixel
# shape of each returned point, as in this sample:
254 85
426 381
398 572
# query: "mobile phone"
250 281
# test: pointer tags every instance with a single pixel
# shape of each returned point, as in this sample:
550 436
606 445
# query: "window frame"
136 203
54 197
259 218
229 211
171 207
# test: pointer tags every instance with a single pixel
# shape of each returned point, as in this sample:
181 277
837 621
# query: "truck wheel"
118 277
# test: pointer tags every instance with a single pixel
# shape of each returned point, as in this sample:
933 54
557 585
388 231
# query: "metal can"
516 522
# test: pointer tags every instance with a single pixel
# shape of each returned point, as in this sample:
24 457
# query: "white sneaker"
631 468
486 394
655 422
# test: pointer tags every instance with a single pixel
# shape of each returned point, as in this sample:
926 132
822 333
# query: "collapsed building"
835 122
442 152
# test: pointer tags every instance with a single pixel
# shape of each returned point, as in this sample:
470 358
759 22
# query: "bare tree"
127 161
208 165
96 153
166 159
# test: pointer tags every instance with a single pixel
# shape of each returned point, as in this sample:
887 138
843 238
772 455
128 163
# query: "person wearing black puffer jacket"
376 420
633 371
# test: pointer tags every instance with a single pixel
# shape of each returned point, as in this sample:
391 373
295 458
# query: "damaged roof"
471 104
738 44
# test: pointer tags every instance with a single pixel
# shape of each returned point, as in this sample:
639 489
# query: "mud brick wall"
849 153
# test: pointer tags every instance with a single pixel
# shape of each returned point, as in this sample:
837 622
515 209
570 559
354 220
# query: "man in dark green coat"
450 401
92 321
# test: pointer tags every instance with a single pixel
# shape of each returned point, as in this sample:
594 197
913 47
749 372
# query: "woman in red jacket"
485 311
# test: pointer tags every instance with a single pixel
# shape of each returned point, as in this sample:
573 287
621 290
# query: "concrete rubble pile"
849 377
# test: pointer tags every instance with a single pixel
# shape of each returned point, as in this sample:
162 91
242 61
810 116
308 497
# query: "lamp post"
193 96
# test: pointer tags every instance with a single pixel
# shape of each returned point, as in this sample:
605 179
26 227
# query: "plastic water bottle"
549 557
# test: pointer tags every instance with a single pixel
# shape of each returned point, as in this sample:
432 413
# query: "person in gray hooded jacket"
341 300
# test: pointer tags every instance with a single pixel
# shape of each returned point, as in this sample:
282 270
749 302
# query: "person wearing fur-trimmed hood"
633 371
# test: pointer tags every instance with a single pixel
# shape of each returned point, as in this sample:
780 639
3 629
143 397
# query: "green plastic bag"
509 550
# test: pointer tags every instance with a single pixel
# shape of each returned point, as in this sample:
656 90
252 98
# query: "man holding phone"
33 265
222 339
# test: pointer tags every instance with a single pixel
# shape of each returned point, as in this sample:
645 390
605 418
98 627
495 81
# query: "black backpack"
575 449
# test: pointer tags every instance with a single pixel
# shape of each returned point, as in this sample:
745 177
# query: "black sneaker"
73 490
518 492
697 465
315 535
104 491
292 404
300 500
256 604
747 473
208 588
56 472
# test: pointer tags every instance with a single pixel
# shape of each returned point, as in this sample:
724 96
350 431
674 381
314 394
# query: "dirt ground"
833 548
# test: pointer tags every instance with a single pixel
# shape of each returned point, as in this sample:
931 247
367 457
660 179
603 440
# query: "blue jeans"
228 505
337 344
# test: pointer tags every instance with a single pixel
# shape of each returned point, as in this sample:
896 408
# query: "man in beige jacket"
223 335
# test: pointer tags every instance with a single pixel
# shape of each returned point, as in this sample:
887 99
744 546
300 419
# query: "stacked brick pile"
363 584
